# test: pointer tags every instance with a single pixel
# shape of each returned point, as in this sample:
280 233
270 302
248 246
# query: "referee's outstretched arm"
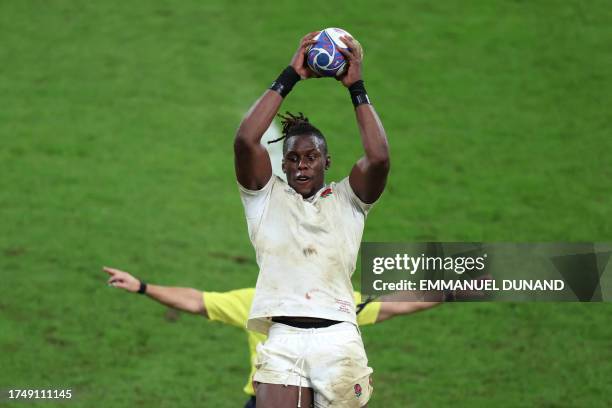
185 299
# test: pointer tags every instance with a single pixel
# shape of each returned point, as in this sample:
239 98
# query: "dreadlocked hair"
297 125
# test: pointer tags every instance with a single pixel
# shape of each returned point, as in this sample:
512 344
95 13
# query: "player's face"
305 163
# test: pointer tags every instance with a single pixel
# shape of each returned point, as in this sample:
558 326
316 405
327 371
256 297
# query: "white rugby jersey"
306 251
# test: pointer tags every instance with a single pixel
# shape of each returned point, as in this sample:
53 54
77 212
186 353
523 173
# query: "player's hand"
123 280
298 62
354 57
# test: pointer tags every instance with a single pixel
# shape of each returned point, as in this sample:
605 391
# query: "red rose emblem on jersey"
357 388
326 192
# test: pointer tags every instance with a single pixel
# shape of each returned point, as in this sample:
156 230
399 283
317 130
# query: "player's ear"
284 166
327 162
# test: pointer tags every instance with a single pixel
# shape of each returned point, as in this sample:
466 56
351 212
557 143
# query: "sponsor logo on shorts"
357 389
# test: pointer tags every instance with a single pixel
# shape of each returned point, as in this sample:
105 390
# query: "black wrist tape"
358 93
285 81
143 288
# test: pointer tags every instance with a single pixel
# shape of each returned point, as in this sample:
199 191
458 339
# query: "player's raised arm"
186 299
369 175
253 168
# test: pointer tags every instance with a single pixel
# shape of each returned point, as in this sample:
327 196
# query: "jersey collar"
313 197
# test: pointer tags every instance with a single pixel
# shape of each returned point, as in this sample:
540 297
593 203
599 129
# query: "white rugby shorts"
330 360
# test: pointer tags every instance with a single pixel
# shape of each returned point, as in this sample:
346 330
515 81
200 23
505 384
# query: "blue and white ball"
323 57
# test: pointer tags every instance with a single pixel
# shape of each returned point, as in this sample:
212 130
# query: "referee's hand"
121 279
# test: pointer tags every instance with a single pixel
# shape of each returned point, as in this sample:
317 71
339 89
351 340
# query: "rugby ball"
323 57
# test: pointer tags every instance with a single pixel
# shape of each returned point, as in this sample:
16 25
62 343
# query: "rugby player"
233 307
306 236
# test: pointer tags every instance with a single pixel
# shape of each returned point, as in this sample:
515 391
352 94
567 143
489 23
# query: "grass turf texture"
116 127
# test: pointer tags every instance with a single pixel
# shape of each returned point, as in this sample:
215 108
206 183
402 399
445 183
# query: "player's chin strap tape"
358 93
285 81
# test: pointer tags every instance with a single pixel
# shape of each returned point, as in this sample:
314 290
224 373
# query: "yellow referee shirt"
233 308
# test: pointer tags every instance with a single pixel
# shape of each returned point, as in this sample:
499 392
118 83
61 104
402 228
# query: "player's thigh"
280 396
339 370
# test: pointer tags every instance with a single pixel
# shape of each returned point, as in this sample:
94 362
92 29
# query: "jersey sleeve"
229 307
369 314
255 203
346 193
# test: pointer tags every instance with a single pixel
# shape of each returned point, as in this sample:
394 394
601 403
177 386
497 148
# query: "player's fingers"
348 40
347 53
350 43
358 50
307 43
308 37
311 35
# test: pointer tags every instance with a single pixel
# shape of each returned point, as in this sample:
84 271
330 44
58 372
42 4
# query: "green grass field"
116 128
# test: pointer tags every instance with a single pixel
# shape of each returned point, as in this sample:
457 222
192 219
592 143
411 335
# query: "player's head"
305 156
